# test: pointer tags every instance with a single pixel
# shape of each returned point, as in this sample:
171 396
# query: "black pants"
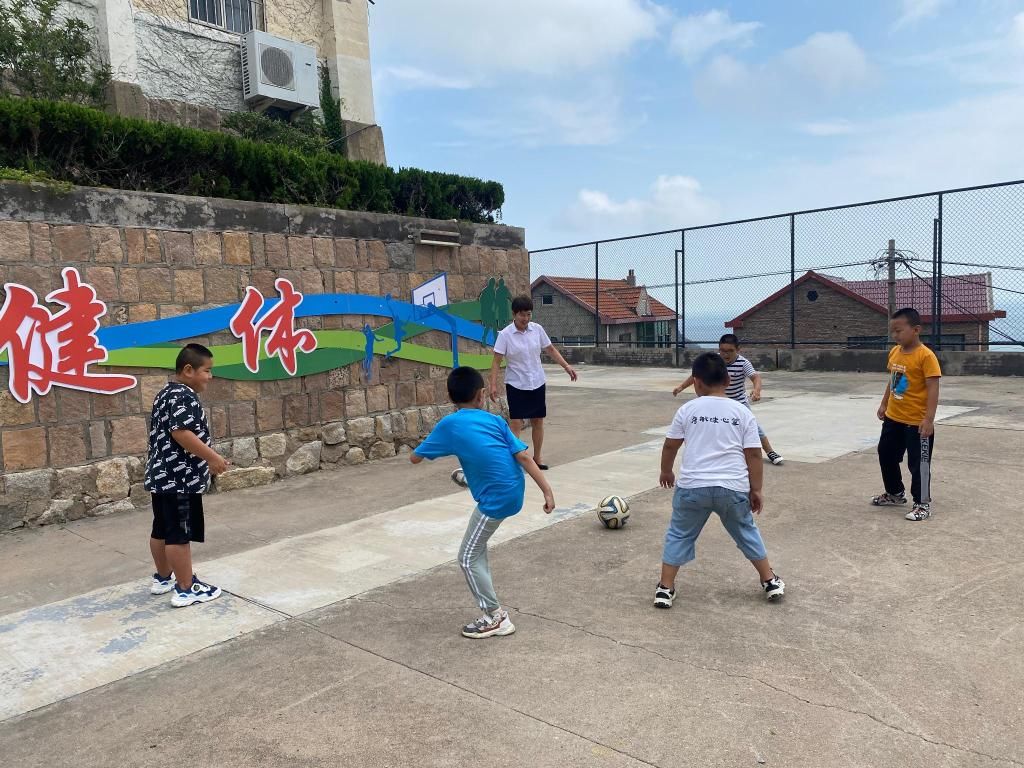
898 439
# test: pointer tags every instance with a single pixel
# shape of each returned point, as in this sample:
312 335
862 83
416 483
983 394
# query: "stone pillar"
347 49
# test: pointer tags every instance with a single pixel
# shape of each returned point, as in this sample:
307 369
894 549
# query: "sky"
604 118
609 117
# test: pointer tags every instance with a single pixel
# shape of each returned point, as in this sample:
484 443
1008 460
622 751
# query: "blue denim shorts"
691 508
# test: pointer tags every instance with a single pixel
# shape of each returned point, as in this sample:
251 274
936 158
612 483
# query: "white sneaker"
160 585
490 625
459 478
197 593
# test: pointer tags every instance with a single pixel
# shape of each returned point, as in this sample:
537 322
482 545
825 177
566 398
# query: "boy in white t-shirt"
721 472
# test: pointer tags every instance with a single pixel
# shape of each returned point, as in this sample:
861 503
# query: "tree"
44 58
334 127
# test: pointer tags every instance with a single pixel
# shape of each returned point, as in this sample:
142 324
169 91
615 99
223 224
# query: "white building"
181 60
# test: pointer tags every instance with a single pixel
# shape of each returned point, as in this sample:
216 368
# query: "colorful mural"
45 349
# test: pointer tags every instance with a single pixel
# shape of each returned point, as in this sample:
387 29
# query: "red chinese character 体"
46 349
284 339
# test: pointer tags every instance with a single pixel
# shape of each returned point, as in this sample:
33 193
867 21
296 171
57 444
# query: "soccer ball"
613 512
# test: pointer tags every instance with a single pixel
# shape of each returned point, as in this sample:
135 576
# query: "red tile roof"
617 301
965 298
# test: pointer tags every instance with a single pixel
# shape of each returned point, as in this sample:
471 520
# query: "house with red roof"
627 314
833 311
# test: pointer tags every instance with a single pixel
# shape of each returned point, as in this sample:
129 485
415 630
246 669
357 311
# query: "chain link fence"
819 278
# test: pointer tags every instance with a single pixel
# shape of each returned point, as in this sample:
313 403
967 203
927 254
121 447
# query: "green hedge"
89 147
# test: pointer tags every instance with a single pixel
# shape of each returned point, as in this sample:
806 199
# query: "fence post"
890 262
682 291
597 295
938 280
792 281
935 288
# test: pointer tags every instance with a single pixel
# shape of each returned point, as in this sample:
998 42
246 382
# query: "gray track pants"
473 559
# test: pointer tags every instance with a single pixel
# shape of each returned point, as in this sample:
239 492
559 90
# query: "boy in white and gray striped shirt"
740 369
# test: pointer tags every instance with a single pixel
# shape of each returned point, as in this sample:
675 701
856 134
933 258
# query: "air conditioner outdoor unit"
278 72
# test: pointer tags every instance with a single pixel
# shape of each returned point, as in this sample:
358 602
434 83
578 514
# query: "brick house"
832 311
181 61
567 306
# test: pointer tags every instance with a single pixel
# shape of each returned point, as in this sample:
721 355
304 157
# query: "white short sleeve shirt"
715 431
522 349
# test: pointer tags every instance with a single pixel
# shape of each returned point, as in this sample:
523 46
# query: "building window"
232 15
812 295
547 298
657 334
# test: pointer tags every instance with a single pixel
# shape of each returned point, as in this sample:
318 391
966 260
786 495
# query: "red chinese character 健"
284 339
46 349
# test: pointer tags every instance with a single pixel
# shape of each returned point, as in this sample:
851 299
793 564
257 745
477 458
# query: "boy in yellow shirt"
907 414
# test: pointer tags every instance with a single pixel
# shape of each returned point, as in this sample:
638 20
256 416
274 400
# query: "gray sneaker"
459 478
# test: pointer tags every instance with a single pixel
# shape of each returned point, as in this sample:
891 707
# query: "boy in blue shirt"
493 460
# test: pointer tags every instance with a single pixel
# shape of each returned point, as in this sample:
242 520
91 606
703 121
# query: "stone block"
107 405
189 286
300 252
332 454
362 431
411 420
112 508
106 245
13 413
60 511
245 477
242 418
142 313
405 394
269 414
70 243
296 410
128 284
104 281
178 249
333 433
129 435
221 285
382 451
112 481
98 440
237 249
368 283
306 459
345 282
383 427
332 405
425 392
323 251
75 482
355 456
276 250
15 236
155 285
135 245
24 448
247 390
67 445
355 402
377 399
47 407
208 249
139 496
273 446
243 451
29 486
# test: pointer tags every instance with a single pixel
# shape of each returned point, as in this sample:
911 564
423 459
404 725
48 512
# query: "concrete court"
898 643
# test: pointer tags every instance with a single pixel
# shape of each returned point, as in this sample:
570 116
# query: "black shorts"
526 403
178 518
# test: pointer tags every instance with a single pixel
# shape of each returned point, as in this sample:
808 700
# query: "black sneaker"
663 597
890 499
199 592
775 458
774 588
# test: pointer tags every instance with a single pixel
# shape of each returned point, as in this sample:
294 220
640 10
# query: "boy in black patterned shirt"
177 474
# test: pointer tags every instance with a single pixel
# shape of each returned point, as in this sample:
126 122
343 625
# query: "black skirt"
526 403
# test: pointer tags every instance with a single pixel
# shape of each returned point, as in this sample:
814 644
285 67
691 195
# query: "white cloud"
826 64
556 118
413 78
694 36
918 10
831 59
528 36
828 128
673 201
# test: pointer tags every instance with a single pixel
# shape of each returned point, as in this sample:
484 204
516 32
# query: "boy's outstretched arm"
531 468
668 460
927 428
756 394
415 458
684 385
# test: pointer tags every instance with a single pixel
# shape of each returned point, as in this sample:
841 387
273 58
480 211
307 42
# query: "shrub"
84 146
